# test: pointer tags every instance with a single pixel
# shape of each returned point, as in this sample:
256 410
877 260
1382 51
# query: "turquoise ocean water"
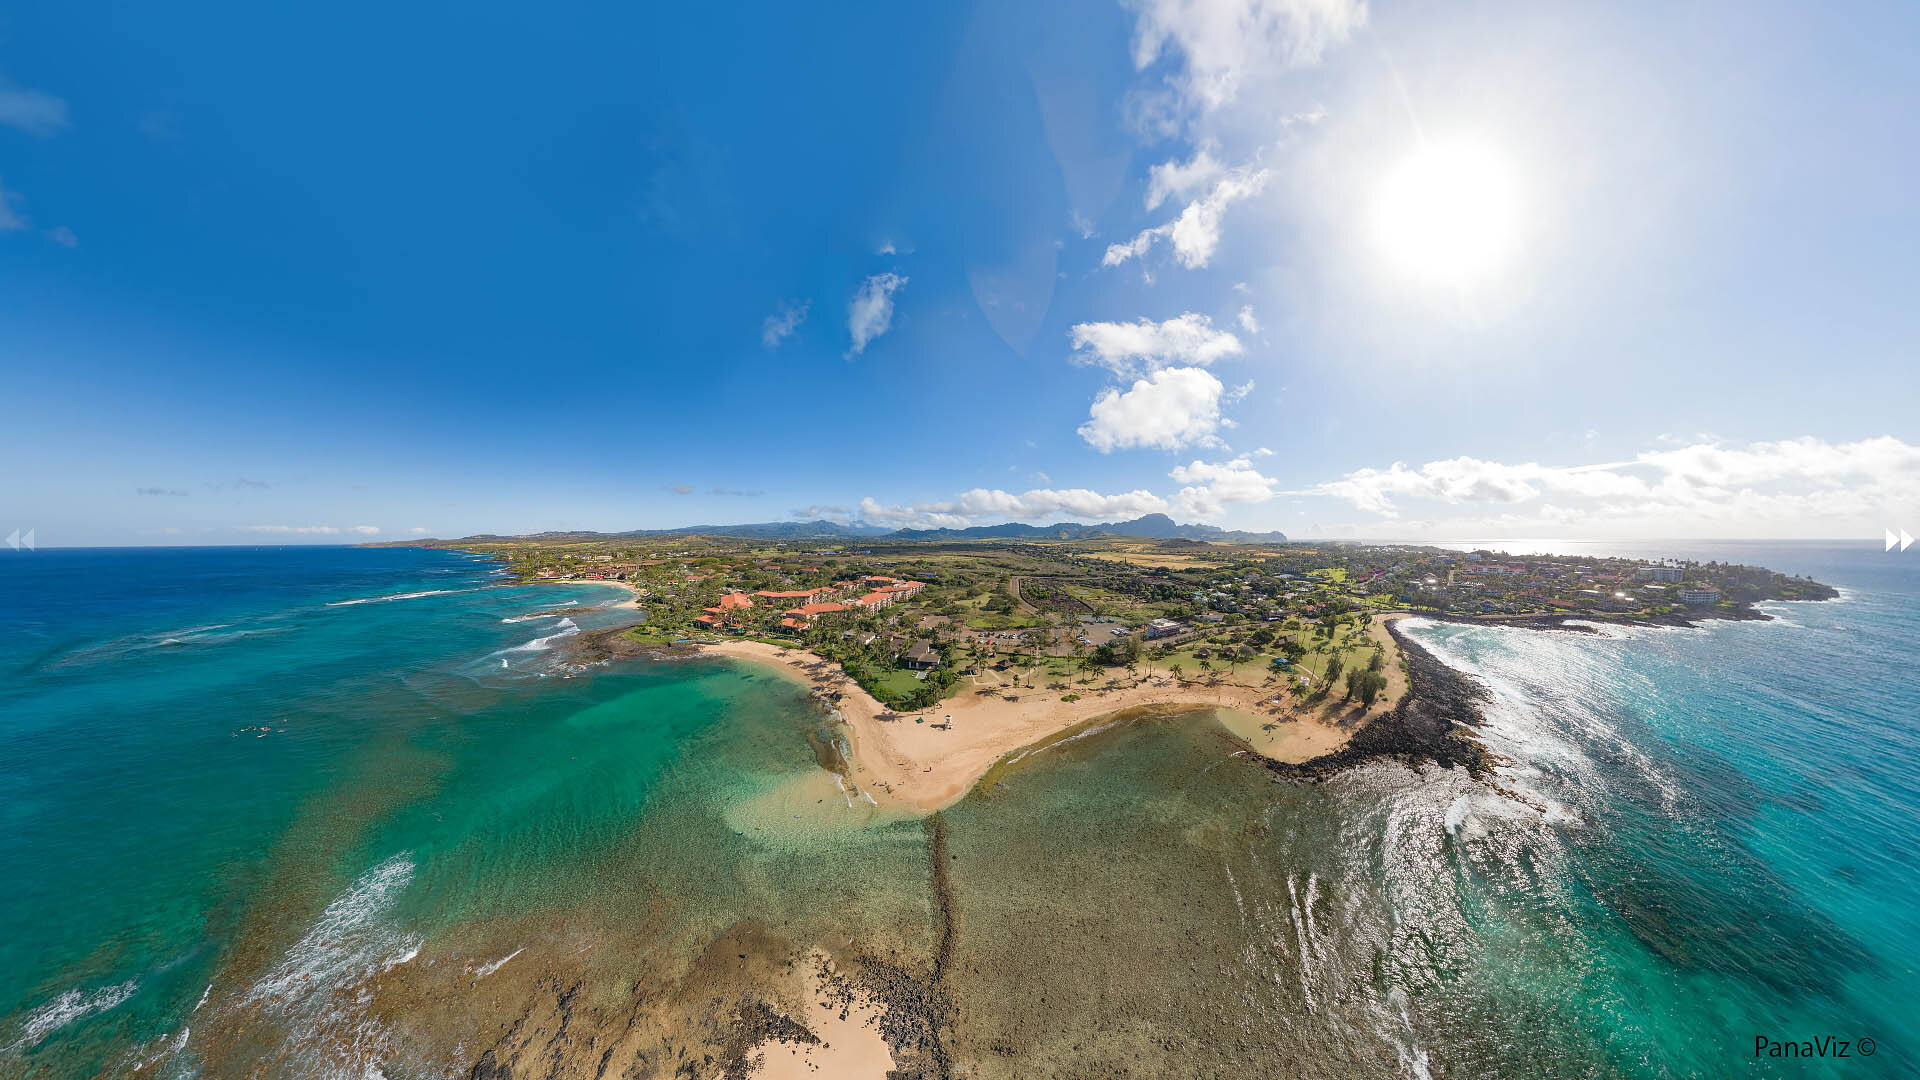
243 790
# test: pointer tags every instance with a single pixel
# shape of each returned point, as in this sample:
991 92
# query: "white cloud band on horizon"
1787 484
1209 488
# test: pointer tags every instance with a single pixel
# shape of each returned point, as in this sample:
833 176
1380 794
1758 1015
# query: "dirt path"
1013 590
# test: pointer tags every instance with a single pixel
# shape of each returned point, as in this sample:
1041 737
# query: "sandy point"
632 591
924 761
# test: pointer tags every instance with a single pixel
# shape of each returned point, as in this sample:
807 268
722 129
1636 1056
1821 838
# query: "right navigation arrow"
1903 539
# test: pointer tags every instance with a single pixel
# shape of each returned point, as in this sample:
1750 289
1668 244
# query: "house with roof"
921 656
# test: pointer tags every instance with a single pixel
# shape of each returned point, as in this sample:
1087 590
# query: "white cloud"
418 530
1209 488
1127 348
1247 322
1212 486
35 112
871 312
1762 488
289 530
366 530
1038 505
1219 44
1172 178
63 236
1195 234
1169 409
10 221
785 319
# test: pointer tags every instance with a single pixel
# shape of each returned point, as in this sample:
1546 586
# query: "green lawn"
898 681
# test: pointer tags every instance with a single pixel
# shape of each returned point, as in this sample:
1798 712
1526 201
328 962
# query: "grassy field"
1170 560
899 681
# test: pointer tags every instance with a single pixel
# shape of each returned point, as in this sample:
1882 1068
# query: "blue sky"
1343 269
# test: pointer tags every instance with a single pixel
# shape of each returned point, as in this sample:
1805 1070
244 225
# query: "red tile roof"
816 609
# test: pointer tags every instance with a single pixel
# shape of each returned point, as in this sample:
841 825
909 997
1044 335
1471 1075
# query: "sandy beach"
922 762
633 591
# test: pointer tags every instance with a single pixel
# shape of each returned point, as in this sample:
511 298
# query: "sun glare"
1448 214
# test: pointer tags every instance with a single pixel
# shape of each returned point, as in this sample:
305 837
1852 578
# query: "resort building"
807 612
1699 596
794 596
1671 574
921 656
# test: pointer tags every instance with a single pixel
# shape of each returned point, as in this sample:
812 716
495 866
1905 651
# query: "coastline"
924 762
1433 722
632 601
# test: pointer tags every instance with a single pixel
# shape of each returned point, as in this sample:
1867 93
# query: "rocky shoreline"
1433 723
1589 623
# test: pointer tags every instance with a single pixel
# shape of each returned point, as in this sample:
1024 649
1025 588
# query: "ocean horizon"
324 811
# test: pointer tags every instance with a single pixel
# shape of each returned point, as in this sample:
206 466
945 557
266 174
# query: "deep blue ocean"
234 769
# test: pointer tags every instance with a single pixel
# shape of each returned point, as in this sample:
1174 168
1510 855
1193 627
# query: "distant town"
910 620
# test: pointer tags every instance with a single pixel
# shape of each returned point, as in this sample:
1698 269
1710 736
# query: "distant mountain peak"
1148 526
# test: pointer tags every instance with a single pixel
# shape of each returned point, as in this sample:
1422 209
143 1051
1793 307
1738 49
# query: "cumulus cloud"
1756 487
871 312
841 514
366 530
1195 234
1247 322
1180 179
1217 45
1038 505
35 112
1210 487
418 530
785 319
1128 348
289 530
1168 409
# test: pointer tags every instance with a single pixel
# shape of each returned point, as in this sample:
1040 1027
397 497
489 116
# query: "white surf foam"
319 990
484 970
394 596
566 628
69 1006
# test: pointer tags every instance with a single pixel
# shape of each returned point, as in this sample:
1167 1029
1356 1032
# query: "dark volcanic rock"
1433 723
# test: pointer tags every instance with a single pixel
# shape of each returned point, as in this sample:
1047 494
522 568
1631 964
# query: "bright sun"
1448 214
